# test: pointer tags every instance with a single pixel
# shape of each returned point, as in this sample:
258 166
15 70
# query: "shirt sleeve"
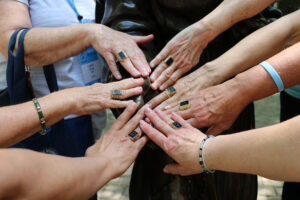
24 1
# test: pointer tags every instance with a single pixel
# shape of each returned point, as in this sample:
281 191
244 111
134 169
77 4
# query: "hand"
182 144
97 97
109 43
186 87
115 144
185 49
216 107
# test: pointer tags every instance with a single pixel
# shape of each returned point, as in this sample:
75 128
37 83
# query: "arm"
217 107
187 46
253 49
48 45
21 121
271 152
30 175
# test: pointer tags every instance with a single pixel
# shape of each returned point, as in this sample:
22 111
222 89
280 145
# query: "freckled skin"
164 19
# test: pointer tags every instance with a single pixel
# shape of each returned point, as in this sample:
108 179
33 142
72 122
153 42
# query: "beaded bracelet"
41 116
275 76
201 159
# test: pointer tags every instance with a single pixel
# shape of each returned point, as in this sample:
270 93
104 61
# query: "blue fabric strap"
275 76
72 4
15 74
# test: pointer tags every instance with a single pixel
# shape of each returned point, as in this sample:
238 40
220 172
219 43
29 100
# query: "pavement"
266 113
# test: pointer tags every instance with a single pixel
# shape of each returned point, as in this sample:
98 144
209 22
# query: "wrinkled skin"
164 19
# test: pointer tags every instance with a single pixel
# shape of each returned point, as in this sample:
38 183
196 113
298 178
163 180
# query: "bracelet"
41 116
201 159
275 76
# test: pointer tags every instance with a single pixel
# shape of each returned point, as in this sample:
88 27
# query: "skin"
44 46
57 105
71 178
262 44
268 152
220 105
187 46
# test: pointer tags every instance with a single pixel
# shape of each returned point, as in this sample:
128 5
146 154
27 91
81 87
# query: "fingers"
163 77
158 99
160 57
111 61
156 136
140 63
133 123
129 93
161 125
124 117
158 70
174 77
174 169
163 116
143 39
179 119
127 84
126 63
140 143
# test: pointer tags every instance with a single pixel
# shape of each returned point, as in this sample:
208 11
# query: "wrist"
207 32
93 32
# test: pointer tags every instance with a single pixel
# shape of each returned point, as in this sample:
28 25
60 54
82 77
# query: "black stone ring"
176 125
121 56
184 105
171 91
133 136
169 60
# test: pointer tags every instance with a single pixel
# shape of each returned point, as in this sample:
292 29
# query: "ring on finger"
133 136
175 125
121 56
171 91
184 105
168 61
116 94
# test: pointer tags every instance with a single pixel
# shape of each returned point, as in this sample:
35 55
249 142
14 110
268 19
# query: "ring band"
169 60
116 94
171 91
176 125
121 56
184 105
133 135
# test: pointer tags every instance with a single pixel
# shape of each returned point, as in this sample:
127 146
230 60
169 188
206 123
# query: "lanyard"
72 4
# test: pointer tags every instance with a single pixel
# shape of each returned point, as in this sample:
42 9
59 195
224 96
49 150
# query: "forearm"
43 45
229 12
271 152
21 121
42 176
256 83
256 47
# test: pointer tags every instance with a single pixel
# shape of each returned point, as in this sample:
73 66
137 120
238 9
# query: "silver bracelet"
201 159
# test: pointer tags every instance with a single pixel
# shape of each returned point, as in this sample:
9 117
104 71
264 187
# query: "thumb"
174 169
143 39
214 130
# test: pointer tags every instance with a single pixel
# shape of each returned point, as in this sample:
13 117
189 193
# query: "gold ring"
168 61
171 91
121 56
133 136
184 105
176 125
116 94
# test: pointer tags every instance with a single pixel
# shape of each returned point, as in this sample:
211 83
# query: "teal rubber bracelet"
275 76
41 116
201 159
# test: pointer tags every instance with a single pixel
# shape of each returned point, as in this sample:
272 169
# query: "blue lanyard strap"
72 4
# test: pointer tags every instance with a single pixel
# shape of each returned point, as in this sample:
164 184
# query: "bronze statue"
164 19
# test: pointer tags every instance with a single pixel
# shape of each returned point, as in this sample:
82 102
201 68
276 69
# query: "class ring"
121 56
133 136
169 61
175 125
171 91
116 94
184 105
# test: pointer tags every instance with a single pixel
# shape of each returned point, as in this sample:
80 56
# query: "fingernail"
142 123
119 76
153 86
161 88
148 110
